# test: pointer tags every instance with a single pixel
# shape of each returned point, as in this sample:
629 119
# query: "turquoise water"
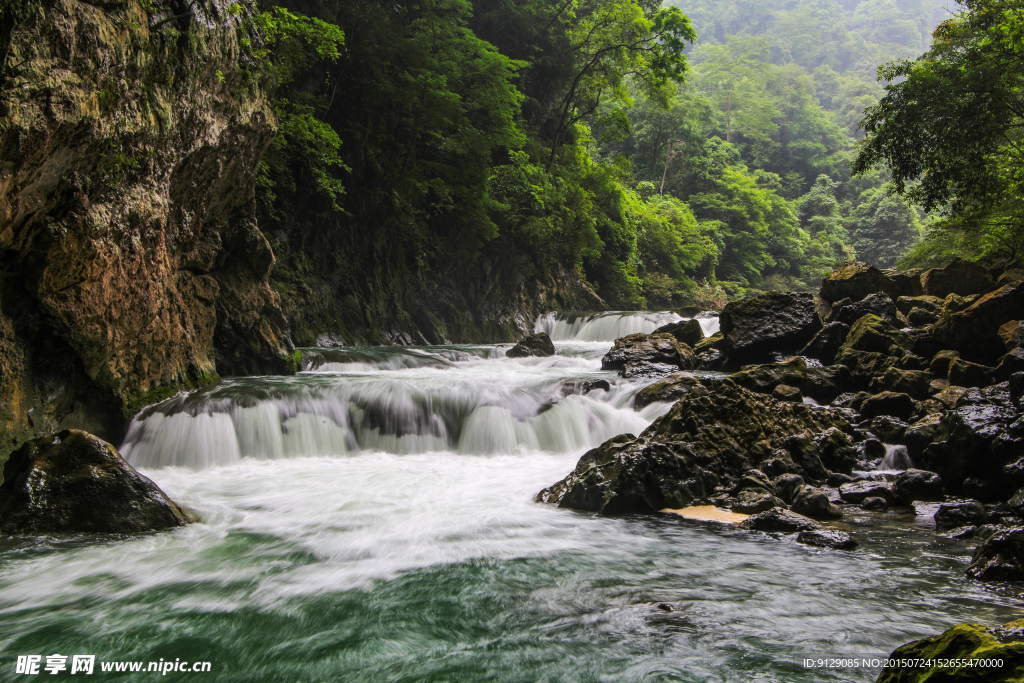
369 565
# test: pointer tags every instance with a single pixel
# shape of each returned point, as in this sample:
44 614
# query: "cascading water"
896 458
372 519
609 326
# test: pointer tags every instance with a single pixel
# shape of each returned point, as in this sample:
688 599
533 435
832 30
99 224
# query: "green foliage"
883 228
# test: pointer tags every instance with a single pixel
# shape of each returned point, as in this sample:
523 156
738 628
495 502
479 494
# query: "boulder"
647 349
826 342
953 515
787 486
957 277
888 428
876 503
941 361
785 392
775 322
704 441
715 342
764 378
854 281
864 366
712 359
827 538
964 373
1012 334
915 485
917 383
668 389
647 370
539 344
1010 276
779 520
1000 558
1009 365
814 503
75 482
687 332
875 304
873 334
904 283
919 317
974 331
955 648
753 501
954 303
932 304
892 403
858 491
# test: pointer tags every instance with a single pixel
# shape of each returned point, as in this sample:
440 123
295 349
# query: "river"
372 519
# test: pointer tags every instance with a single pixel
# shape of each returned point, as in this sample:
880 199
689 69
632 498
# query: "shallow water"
436 565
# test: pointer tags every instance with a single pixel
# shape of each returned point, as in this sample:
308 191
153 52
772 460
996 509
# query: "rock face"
959 644
132 259
635 353
775 322
957 277
687 332
1000 558
74 482
704 441
974 331
854 281
539 344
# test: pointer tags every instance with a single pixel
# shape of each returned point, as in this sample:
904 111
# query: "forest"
677 155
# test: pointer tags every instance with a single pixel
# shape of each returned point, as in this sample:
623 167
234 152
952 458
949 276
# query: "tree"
883 228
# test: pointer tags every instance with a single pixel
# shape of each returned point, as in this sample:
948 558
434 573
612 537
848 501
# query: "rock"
646 370
876 503
950 396
764 378
715 342
864 366
916 383
74 482
952 515
875 304
871 333
957 646
824 384
858 491
754 479
687 332
914 485
920 317
1012 334
982 489
854 280
941 361
906 304
1009 276
1009 365
647 349
957 277
539 344
827 538
669 389
964 373
904 283
779 520
836 450
954 303
788 486
753 501
785 392
814 503
974 331
775 322
703 442
892 403
825 344
712 359
976 440
888 428
1000 558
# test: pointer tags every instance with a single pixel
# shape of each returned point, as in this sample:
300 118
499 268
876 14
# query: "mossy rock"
872 333
963 642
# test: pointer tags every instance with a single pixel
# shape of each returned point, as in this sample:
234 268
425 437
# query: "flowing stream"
372 519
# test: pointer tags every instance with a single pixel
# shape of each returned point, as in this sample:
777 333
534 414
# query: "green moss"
963 642
293 362
133 404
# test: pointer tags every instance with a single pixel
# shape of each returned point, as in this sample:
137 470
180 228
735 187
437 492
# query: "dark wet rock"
646 370
962 532
779 520
1009 365
1000 558
892 403
827 538
983 489
788 485
950 396
669 389
837 479
753 501
957 277
775 322
917 383
854 281
764 378
712 359
777 466
974 331
906 304
687 332
904 283
919 317
914 485
954 303
1016 385
857 492
958 645
872 449
941 361
876 503
703 442
825 344
74 482
1016 501
648 350
964 373
814 503
715 342
785 392
952 515
1012 334
873 334
864 366
876 304
1009 276
539 344
754 479
584 386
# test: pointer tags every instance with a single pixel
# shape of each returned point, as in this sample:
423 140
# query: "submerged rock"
914 485
704 441
74 482
778 520
956 646
539 344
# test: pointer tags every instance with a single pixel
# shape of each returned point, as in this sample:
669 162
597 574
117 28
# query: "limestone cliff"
130 260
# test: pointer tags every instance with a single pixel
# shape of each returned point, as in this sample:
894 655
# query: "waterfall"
896 458
603 327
